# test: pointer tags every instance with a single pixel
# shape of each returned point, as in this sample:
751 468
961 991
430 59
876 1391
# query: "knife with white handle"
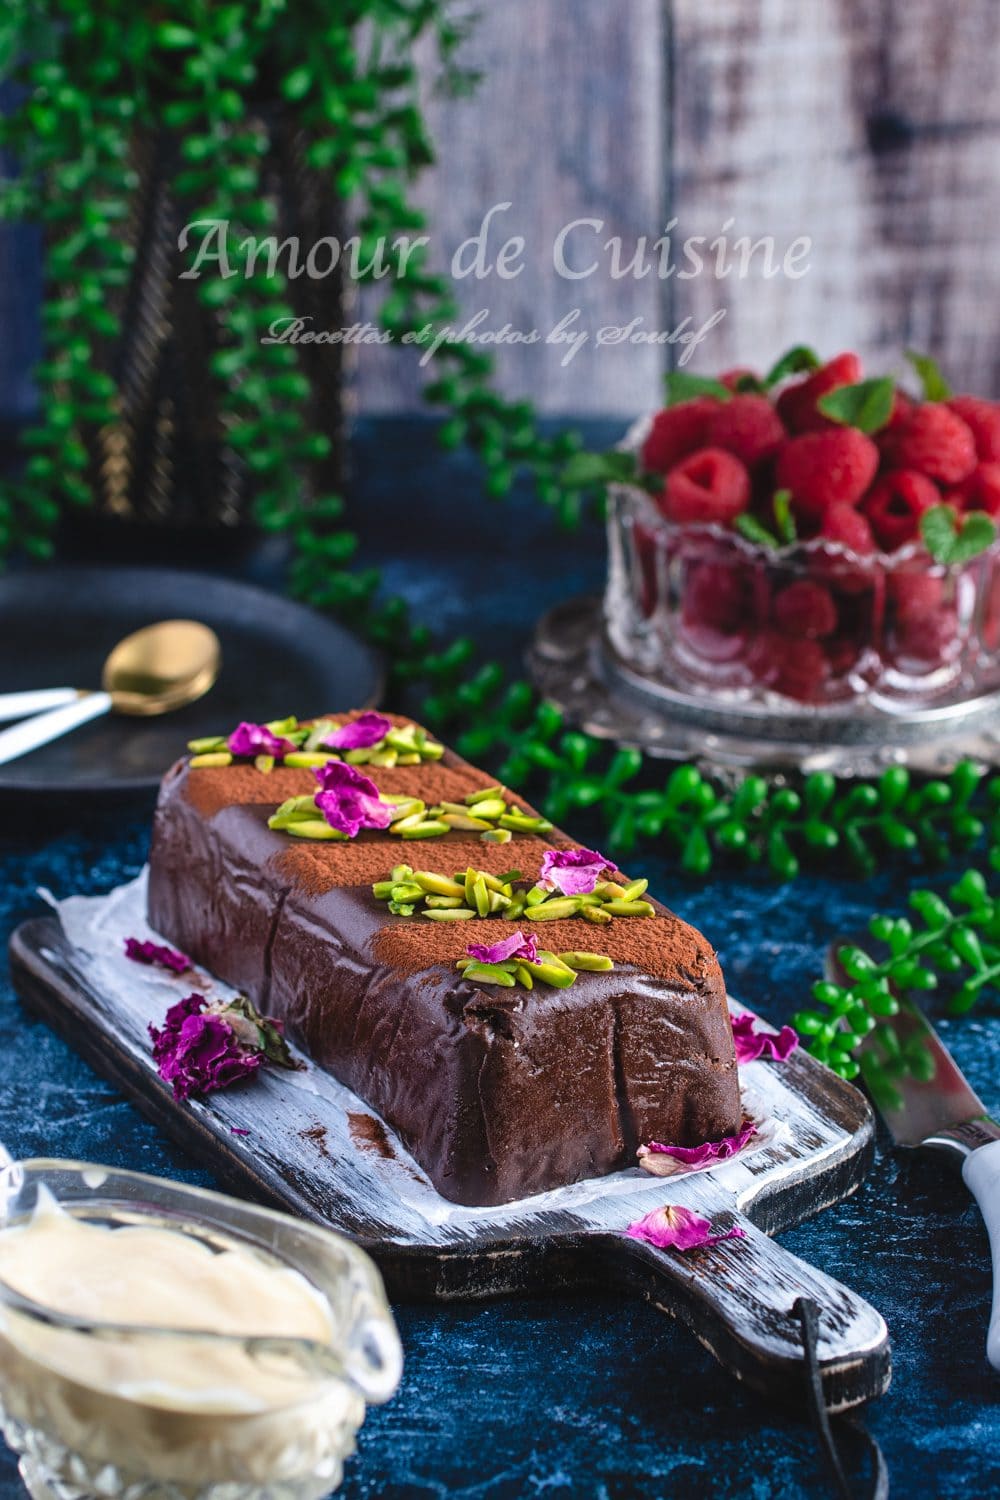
925 1099
38 701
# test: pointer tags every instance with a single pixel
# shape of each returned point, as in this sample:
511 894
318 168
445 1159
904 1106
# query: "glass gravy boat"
81 1434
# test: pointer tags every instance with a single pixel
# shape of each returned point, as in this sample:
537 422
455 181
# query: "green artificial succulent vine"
87 78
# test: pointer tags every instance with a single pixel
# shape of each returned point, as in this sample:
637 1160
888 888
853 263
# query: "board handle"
738 1298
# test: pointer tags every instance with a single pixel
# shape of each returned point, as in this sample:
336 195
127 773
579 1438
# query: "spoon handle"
19 705
45 727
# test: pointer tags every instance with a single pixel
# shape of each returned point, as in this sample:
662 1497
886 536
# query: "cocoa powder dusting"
369 1134
317 1134
662 946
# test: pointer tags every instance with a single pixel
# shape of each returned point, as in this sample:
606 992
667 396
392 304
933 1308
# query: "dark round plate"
278 658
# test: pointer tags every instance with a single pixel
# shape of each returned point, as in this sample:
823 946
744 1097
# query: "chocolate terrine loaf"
498 1091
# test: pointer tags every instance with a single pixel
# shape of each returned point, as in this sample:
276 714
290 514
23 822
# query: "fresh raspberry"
895 505
934 441
983 420
721 603
805 608
748 427
842 523
676 432
708 486
922 642
827 468
797 403
914 594
797 668
981 491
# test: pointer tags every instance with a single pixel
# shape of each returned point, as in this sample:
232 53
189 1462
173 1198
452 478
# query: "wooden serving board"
303 1143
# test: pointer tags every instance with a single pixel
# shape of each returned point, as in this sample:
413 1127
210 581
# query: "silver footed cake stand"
574 665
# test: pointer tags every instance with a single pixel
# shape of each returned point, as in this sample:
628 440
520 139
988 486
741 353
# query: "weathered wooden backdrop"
870 126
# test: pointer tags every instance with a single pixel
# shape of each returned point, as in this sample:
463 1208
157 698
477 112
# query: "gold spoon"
153 671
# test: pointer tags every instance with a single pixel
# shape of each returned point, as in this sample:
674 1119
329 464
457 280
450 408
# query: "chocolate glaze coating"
498 1094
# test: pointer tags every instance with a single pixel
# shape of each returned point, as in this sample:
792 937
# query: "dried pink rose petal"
516 946
361 734
349 800
157 953
751 1043
661 1161
675 1228
197 1052
575 872
251 740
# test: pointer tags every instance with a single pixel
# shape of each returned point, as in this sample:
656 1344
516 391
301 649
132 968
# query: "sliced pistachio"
402 908
608 890
555 974
431 750
212 758
498 902
497 836
357 757
520 823
264 764
386 758
515 910
465 822
469 882
410 820
431 829
382 890
407 892
629 908
490 808
597 963
319 733
523 976
438 885
633 890
553 911
536 896
408 760
412 809
597 915
315 829
400 872
486 793
481 897
450 914
204 747
306 760
493 882
444 901
509 876
490 974
546 956
400 739
282 727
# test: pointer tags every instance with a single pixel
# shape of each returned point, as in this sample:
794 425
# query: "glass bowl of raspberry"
808 543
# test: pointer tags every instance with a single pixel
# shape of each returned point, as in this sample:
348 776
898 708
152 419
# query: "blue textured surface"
591 1396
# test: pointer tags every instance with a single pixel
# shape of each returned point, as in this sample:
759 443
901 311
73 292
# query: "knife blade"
925 1100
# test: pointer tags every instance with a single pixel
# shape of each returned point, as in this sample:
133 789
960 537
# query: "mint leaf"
755 531
938 530
978 533
783 517
795 362
867 405
933 383
684 387
586 469
947 542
